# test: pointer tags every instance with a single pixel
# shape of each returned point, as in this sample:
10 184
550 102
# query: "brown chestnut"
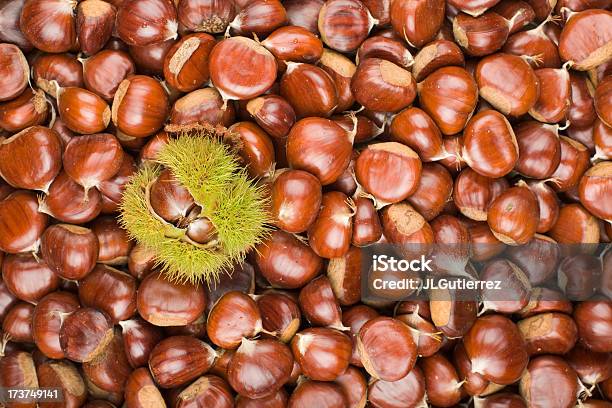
84 334
514 215
295 200
322 353
146 22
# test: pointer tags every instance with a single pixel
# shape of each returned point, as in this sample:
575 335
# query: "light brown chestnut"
330 234
514 215
593 25
341 70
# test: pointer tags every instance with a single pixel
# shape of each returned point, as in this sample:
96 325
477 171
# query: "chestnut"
82 111
540 149
594 321
104 71
235 316
418 22
514 215
150 58
390 172
320 305
309 89
425 334
17 323
537 387
110 290
256 149
381 85
441 381
186 63
330 234
317 394
354 385
449 96
295 200
386 348
165 303
572 165
157 16
554 101
295 44
259 368
259 17
489 144
404 226
28 109
591 367
84 334
407 391
11 32
432 193
496 349
321 147
177 360
68 202
535 46
520 90
416 129
205 15
341 70
322 353
47 321
42 149
71 251
273 113
17 371
602 101
303 13
548 333
480 35
344 24
15 72
52 71
65 376
22 224
287 262
575 225
140 104
437 54
208 390
592 24
28 278
141 391
602 138
366 224
354 318
451 316
240 68
49 24
594 186
473 193
139 338
388 49
538 259
95 21
280 314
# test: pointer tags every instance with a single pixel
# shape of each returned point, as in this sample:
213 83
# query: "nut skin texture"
18 322
603 95
141 391
64 69
296 198
416 129
539 147
211 16
496 349
317 394
548 333
46 322
260 367
42 149
208 390
233 317
388 360
330 234
177 360
380 85
449 96
95 22
519 89
593 319
433 192
294 44
395 394
63 375
29 109
273 113
17 371
536 384
481 35
595 185
585 39
84 334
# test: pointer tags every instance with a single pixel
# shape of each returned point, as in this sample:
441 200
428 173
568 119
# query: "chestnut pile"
479 122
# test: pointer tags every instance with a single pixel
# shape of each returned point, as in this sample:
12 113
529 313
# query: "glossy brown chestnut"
322 353
390 172
177 360
17 370
273 113
66 377
418 22
240 68
594 321
535 46
68 202
104 71
141 390
150 58
295 44
330 234
344 24
573 163
69 250
603 104
403 225
536 385
287 262
139 338
31 159
140 106
591 367
7 300
538 259
49 24
304 13
320 305
186 63
449 96
64 69
385 48
95 20
165 303
407 391
514 215
436 54
585 39
354 318
321 147
28 109
208 16
309 89
473 193
433 191
15 72
83 111
602 138
575 225
341 70
481 35
21 224
235 316
441 381
539 147
318 394
280 314
18 323
416 129
208 390
366 224
516 93
91 159
169 199
581 111
425 334
47 321
259 17
295 200
158 17
496 349
489 144
84 334
555 95
548 333
11 32
111 291
452 317
381 85
112 189
260 367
